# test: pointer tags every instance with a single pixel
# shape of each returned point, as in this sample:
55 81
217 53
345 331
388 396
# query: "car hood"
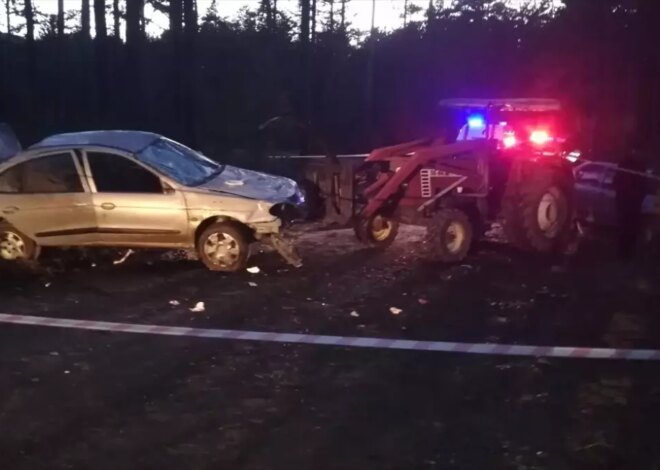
252 184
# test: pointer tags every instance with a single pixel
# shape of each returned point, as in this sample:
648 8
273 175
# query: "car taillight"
540 137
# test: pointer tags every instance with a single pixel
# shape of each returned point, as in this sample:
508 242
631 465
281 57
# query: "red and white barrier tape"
345 341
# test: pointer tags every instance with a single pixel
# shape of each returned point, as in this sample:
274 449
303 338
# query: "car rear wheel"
223 247
15 246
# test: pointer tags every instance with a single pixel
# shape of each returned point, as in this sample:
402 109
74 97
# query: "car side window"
117 174
589 175
44 175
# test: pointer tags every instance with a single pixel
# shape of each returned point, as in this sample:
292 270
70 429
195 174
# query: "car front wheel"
223 247
16 246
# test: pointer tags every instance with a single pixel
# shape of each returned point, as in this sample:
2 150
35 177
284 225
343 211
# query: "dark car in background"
596 199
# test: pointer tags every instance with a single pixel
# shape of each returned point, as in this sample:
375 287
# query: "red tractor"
496 160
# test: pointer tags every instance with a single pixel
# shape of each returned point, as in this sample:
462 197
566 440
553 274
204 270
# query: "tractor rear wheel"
449 236
377 231
538 214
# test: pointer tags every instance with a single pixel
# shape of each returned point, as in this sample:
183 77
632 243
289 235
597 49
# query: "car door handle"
10 210
108 206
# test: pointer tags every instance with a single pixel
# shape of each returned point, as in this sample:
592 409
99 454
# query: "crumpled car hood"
252 184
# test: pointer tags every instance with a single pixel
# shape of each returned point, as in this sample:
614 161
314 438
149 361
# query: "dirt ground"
80 399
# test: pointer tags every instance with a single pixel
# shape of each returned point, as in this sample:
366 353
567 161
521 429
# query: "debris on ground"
128 253
422 301
47 284
511 304
174 303
253 270
252 284
395 311
199 307
354 314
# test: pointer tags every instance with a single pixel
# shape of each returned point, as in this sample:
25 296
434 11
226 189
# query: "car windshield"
180 163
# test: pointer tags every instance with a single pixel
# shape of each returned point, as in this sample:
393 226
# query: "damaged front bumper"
286 249
271 233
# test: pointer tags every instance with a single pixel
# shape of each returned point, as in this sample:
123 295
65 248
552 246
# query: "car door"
588 179
605 207
46 198
133 206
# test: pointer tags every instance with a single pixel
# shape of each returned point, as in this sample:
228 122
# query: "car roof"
129 141
506 104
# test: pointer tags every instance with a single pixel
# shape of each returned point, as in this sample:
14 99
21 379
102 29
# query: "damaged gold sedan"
137 190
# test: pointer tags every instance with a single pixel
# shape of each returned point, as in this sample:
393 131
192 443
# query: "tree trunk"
190 31
313 14
8 11
405 13
60 18
100 56
176 64
133 71
134 15
99 19
430 13
176 19
369 82
343 15
266 8
305 63
84 19
304 21
28 13
116 14
331 26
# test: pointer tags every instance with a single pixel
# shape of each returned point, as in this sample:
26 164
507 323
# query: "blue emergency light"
476 121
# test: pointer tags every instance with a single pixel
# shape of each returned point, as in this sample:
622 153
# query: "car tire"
16 246
224 247
449 236
377 231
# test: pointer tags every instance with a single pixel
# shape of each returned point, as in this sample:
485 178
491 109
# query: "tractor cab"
531 127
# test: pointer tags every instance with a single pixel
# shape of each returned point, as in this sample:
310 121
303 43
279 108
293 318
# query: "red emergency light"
540 137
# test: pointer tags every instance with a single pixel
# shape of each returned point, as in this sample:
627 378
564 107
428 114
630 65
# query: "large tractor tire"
449 236
538 212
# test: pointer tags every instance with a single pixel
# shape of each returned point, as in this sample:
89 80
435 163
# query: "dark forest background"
210 82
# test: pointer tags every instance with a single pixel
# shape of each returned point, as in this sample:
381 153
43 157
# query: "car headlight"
298 197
